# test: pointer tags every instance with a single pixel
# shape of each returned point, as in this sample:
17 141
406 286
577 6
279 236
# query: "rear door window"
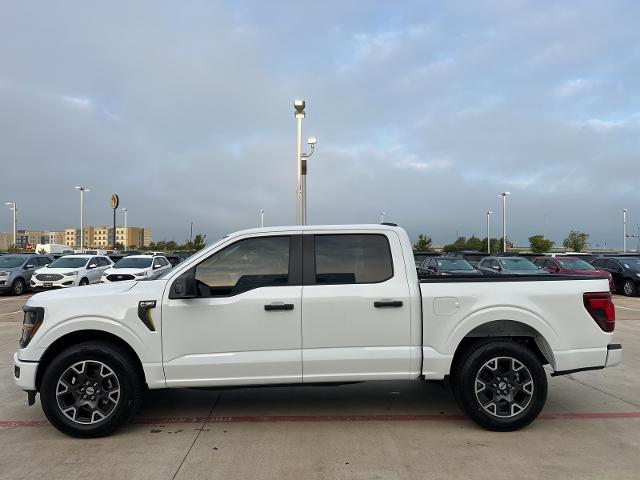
352 259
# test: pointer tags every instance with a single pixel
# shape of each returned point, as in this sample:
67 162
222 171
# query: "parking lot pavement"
590 428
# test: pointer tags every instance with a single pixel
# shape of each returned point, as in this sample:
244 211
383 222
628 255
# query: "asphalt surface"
590 428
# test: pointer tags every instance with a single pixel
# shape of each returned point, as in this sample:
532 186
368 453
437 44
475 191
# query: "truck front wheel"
90 389
501 385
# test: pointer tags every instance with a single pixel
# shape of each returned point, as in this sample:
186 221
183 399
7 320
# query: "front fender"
73 325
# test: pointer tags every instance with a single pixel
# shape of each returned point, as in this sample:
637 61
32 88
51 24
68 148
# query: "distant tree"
539 244
42 251
576 241
459 244
495 245
474 243
119 246
423 243
198 243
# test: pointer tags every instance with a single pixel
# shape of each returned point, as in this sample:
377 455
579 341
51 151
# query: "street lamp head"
624 210
82 189
125 210
489 212
504 194
312 141
299 105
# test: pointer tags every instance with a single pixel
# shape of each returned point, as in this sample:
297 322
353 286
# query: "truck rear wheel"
90 389
501 385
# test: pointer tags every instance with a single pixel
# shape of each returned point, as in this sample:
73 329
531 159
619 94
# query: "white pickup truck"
300 305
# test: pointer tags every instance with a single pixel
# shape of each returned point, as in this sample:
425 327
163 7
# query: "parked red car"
572 266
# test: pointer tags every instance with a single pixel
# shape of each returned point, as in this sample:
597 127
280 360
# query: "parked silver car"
16 271
509 266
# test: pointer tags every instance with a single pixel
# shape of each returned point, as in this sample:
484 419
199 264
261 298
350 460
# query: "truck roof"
313 228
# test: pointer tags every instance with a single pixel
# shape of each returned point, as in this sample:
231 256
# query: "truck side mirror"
184 286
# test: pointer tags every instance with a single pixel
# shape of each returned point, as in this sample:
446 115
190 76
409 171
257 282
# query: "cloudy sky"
424 110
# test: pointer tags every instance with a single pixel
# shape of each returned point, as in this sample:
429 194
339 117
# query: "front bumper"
24 373
64 282
5 283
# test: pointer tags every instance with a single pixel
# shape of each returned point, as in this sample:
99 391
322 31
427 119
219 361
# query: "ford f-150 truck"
307 305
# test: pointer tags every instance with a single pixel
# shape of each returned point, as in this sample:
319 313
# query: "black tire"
84 282
629 288
122 373
18 287
524 390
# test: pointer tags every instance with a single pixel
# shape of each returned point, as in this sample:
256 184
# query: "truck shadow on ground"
368 398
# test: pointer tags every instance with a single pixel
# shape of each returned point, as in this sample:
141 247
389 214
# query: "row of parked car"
622 271
20 272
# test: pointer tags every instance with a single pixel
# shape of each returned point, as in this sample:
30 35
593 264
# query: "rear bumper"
24 373
614 354
613 358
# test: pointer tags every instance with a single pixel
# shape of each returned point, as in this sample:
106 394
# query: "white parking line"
10 313
627 308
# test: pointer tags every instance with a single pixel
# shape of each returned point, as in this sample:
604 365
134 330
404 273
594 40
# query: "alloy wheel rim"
88 392
628 288
18 288
504 387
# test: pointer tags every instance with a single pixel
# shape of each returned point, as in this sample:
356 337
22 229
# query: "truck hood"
97 290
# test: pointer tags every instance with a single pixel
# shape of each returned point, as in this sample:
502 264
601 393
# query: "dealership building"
94 237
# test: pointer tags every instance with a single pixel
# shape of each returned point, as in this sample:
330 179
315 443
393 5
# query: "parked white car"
71 271
306 305
135 267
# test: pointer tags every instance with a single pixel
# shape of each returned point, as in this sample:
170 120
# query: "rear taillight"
601 309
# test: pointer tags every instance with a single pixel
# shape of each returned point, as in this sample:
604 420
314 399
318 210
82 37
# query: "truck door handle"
387 303
278 306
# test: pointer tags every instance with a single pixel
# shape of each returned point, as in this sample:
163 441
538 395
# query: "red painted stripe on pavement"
328 418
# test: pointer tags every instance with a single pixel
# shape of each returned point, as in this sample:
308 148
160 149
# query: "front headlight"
141 274
4 274
637 274
70 274
33 317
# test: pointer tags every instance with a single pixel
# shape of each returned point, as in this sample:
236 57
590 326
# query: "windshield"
633 263
69 262
11 262
454 264
575 265
127 262
517 264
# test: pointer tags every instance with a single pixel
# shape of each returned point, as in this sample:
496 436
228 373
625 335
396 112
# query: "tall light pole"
382 214
15 223
504 220
624 231
299 105
488 233
312 143
126 230
82 190
262 218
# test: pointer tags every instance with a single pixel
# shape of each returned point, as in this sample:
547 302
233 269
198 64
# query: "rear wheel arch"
77 337
503 330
